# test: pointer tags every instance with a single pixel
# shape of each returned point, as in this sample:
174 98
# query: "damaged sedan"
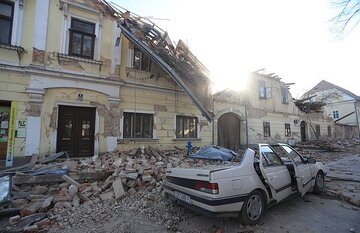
264 176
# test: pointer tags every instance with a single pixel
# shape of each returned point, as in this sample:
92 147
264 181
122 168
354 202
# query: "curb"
341 196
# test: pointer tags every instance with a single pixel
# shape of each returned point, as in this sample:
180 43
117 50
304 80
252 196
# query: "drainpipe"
247 127
357 119
213 124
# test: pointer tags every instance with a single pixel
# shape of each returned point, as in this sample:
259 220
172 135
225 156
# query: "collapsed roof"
177 61
308 106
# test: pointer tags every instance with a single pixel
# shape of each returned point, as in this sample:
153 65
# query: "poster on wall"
4 123
11 135
20 131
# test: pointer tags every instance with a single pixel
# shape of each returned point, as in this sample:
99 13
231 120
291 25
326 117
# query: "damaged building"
266 112
74 78
341 105
89 77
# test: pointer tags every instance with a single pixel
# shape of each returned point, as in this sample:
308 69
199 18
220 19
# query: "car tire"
319 185
252 209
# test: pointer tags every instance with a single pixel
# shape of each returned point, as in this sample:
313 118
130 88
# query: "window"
270 158
317 130
6 21
287 130
141 61
262 89
186 127
138 125
293 154
329 130
285 95
265 92
266 129
82 38
336 114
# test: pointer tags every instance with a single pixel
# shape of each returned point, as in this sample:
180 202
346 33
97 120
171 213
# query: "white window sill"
187 139
138 140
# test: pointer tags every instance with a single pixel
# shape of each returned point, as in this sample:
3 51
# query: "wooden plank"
70 180
31 164
80 177
10 211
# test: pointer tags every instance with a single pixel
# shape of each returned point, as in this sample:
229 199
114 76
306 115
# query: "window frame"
329 131
82 33
266 129
270 156
294 156
10 19
287 130
284 95
262 89
133 123
142 61
182 118
335 114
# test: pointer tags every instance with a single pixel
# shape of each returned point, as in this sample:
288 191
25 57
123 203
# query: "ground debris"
95 188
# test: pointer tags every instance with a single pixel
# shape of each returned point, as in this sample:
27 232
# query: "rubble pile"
329 150
132 181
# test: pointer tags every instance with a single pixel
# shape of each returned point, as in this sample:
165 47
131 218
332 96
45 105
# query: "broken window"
138 125
186 127
141 61
285 95
317 130
262 89
264 92
82 38
266 129
287 130
329 130
6 21
336 114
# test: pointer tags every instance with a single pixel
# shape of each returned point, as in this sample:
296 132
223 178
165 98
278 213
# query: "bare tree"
348 17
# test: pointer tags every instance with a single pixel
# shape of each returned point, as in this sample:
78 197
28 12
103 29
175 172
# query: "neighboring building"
341 105
265 112
71 81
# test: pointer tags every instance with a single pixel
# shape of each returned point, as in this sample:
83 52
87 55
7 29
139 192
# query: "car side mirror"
311 160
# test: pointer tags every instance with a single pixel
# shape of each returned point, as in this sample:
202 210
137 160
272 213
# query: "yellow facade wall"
163 106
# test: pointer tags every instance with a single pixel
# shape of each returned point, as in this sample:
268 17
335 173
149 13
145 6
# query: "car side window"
294 155
282 154
270 157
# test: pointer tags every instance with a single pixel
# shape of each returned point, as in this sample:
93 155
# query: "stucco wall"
165 106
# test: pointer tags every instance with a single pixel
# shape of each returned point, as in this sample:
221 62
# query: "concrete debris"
132 182
118 188
14 219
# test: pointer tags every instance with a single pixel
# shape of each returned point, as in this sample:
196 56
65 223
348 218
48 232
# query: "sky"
232 38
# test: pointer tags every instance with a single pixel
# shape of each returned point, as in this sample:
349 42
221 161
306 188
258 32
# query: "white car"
265 176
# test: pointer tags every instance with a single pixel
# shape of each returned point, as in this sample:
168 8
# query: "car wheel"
252 209
319 183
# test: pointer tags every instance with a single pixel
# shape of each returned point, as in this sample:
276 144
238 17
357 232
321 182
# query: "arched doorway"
229 131
303 131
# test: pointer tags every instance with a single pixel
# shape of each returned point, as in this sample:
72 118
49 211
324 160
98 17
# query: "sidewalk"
343 179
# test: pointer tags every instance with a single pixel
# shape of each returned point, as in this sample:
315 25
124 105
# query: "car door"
275 173
302 170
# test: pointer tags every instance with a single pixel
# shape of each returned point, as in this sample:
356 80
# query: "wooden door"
76 131
229 131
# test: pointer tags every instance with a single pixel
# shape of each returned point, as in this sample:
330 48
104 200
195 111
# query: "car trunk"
203 174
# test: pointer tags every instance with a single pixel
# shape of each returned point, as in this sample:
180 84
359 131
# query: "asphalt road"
309 214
